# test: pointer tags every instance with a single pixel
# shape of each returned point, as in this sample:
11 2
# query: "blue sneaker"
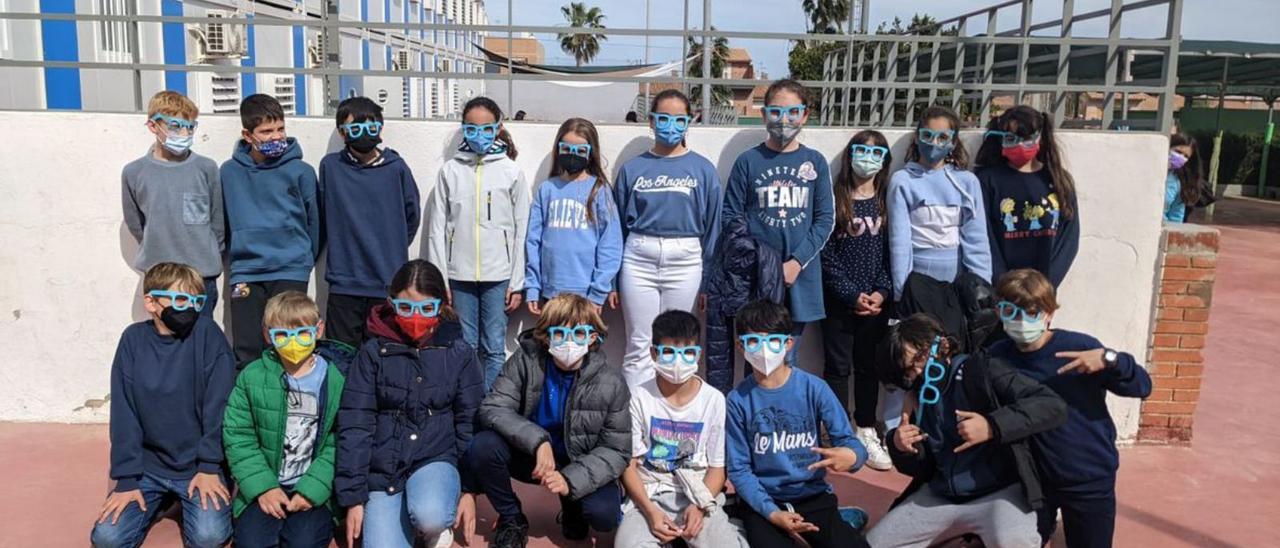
854 516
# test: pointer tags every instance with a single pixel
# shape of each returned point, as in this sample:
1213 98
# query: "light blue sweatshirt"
565 252
1174 210
770 438
937 224
670 197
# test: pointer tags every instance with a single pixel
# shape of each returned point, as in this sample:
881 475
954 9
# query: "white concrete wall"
67 290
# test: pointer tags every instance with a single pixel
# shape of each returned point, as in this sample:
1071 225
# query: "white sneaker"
877 456
443 540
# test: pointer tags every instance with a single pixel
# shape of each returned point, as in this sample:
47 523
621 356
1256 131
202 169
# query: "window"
113 36
6 43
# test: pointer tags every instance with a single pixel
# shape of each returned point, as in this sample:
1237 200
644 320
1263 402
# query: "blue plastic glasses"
179 126
664 121
936 136
470 131
775 113
1008 139
583 150
869 150
178 300
306 335
579 334
933 372
429 308
355 130
1009 312
668 354
753 343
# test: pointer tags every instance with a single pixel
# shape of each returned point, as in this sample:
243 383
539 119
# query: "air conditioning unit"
221 40
402 60
315 52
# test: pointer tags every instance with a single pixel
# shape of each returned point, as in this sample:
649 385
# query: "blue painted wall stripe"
364 42
248 81
175 47
58 43
300 61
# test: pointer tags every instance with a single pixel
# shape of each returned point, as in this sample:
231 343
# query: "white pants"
658 274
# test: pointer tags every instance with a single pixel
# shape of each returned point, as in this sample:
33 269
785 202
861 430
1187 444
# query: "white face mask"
1024 331
568 355
676 372
766 360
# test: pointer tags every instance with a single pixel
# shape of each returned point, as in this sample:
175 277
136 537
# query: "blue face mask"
931 154
178 144
273 149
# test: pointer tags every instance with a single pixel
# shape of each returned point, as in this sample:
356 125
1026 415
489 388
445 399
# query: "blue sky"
1245 20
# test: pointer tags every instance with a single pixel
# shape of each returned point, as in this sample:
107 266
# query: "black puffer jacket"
597 417
745 270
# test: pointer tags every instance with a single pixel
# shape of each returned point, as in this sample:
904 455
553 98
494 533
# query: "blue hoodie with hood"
370 214
273 215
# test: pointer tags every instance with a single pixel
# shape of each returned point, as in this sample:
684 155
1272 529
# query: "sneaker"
511 532
572 525
877 456
443 540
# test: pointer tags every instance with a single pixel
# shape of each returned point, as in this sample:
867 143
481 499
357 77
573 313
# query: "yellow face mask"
294 345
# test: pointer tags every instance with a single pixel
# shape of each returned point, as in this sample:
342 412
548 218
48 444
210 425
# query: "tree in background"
583 47
826 16
720 95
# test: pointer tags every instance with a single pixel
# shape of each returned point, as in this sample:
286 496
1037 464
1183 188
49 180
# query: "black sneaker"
573 525
511 532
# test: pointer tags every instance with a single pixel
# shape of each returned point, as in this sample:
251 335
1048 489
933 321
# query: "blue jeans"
210 296
482 311
200 527
426 508
310 529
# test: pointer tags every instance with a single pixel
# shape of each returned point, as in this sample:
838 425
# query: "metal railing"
877 79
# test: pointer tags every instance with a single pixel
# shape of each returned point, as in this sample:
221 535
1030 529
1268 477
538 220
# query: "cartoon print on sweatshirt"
671 443
1006 210
783 194
1054 210
1033 213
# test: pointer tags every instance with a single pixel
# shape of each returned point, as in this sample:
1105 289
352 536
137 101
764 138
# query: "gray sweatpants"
1002 519
716 532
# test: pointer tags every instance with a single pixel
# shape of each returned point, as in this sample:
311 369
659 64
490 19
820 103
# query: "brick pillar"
1189 255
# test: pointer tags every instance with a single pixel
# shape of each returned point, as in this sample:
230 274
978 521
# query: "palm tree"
720 95
583 47
826 16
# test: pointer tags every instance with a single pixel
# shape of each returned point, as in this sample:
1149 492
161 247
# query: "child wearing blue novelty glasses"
369 203
476 220
280 429
965 444
783 190
273 212
574 241
407 416
775 419
1078 461
172 197
676 476
169 384
557 417
669 201
1029 194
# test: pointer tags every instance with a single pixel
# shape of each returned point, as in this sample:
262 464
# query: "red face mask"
417 326
1019 155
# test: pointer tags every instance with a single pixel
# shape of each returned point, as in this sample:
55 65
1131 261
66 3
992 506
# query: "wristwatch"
1110 357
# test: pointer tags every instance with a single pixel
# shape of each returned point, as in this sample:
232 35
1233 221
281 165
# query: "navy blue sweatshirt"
1025 223
1083 450
975 472
167 399
370 214
273 215
856 257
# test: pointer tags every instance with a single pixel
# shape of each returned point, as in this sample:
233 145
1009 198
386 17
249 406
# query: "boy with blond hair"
280 437
173 199
169 385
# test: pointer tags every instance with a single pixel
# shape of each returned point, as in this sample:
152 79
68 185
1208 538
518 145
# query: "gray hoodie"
476 219
174 210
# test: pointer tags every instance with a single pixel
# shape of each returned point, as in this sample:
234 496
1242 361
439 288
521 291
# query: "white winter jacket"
476 219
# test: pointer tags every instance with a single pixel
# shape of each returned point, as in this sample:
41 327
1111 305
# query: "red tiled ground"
1220 491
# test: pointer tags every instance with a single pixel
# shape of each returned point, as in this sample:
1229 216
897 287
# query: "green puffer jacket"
254 424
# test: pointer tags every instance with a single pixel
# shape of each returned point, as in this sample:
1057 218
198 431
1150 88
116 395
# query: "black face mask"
181 322
572 163
364 143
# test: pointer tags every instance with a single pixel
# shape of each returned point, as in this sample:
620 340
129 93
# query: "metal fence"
876 79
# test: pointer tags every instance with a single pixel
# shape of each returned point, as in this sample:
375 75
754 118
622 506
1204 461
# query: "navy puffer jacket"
745 270
403 408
